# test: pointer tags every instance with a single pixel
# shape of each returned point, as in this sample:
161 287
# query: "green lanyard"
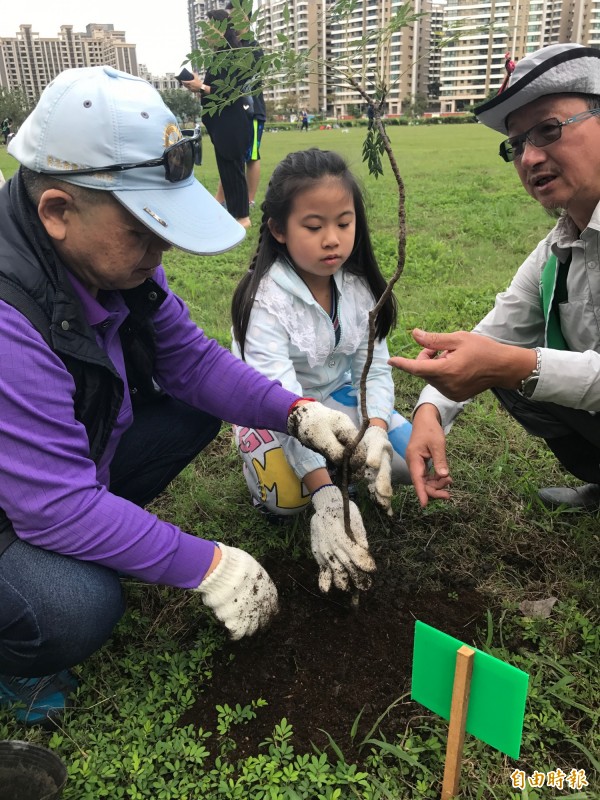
553 290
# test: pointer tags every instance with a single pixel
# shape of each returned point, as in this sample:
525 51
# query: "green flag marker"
498 690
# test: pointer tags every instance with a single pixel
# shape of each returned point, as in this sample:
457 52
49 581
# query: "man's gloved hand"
378 471
326 431
240 592
340 560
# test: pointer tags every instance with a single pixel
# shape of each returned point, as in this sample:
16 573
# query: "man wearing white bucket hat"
538 349
107 388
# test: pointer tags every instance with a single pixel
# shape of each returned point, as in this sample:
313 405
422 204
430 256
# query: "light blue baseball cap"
96 117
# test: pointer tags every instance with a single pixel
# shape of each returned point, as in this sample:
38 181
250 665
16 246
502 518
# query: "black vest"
33 280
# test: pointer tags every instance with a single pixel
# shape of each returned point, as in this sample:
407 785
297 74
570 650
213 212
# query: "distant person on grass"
300 316
538 349
6 128
107 388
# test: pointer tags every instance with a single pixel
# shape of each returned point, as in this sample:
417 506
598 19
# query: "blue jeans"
55 611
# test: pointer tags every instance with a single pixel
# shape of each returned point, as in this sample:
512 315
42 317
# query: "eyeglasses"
540 135
178 160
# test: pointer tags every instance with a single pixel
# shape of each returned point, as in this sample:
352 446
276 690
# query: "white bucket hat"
98 117
556 69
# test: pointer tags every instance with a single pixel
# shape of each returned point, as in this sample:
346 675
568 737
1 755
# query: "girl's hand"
326 431
342 561
378 471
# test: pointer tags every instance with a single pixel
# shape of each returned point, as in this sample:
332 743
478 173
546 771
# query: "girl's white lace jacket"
291 339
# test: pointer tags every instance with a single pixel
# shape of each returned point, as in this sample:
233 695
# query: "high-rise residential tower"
29 62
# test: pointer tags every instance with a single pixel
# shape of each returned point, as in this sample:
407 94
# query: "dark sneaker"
271 516
585 498
37 701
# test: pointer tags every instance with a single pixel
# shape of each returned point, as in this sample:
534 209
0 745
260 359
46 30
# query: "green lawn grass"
470 224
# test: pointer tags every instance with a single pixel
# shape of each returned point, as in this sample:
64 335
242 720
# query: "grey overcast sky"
160 32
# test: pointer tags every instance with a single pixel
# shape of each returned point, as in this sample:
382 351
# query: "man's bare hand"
461 365
426 456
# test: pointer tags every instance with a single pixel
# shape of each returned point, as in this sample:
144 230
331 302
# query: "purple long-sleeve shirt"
54 494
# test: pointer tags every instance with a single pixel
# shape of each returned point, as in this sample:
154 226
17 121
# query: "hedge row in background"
362 123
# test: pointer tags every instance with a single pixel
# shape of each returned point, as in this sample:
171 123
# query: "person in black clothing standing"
258 120
230 129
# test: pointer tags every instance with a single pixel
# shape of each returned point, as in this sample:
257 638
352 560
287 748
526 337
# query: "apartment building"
472 66
160 82
354 43
473 63
351 41
29 62
308 27
303 23
476 36
434 57
198 9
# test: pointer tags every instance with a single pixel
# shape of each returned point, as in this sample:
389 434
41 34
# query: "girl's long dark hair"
296 173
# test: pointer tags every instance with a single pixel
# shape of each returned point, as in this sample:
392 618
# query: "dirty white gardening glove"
378 470
341 561
240 592
326 431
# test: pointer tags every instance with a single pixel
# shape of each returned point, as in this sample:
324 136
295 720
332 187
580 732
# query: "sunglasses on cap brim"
178 160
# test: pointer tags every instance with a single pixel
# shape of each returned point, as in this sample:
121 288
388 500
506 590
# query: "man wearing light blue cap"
107 388
538 349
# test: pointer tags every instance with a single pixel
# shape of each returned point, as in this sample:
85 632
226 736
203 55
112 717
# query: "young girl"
300 315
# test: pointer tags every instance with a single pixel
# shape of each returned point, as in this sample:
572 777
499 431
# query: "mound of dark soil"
323 661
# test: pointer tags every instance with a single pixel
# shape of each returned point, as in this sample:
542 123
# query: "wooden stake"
458 718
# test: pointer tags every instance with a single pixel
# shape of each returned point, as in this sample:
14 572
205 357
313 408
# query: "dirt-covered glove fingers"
329 566
378 472
339 574
326 431
360 543
343 573
377 443
329 535
240 593
362 580
324 560
346 558
325 579
379 484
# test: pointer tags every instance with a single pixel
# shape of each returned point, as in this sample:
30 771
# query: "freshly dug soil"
323 661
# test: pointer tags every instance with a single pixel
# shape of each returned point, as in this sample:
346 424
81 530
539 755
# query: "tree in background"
414 107
289 105
182 103
15 105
